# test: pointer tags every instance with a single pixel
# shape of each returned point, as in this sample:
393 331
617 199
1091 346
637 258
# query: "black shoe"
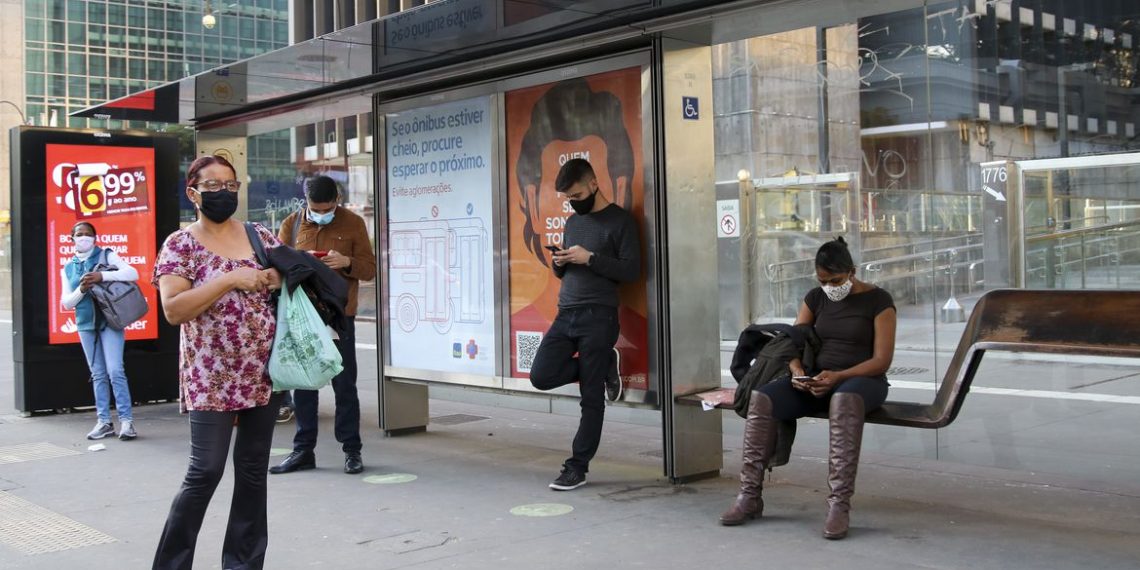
297 461
613 379
568 480
352 463
284 414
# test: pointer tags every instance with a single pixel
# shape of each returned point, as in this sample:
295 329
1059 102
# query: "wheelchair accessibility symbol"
690 108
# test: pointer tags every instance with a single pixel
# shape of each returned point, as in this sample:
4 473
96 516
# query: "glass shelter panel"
958 147
274 157
1081 222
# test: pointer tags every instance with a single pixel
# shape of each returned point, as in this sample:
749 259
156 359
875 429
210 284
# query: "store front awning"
460 34
298 71
423 38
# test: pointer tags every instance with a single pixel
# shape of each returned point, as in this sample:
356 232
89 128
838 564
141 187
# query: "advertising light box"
108 187
126 185
597 118
440 259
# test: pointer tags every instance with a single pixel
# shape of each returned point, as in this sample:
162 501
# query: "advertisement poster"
597 118
110 187
440 259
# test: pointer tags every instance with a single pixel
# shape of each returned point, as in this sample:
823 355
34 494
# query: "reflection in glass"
279 162
934 117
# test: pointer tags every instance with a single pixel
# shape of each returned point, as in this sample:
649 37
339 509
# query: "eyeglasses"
213 185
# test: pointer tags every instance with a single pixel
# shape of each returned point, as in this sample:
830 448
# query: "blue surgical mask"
321 219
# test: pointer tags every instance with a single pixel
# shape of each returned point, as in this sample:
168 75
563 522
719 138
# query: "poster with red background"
597 118
110 187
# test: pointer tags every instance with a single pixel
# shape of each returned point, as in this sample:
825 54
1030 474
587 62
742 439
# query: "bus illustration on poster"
440 299
437 272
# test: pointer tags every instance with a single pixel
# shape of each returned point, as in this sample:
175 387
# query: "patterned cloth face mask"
838 292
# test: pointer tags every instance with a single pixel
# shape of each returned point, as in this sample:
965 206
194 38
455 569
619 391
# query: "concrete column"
693 436
12 113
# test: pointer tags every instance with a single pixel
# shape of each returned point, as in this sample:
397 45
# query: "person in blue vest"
102 345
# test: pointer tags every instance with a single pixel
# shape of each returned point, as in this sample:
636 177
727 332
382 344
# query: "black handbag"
120 302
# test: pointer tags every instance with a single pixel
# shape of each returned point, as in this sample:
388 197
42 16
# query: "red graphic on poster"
597 118
110 188
106 191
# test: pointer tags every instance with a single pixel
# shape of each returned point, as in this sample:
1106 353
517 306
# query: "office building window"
34 60
56 62
34 29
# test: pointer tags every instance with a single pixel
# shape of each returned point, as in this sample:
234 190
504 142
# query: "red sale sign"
109 188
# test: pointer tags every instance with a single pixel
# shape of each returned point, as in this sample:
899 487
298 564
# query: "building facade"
81 53
61 56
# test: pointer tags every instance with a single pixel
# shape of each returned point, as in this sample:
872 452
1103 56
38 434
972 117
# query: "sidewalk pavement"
444 499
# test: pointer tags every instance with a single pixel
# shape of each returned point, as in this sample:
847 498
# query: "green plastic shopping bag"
304 356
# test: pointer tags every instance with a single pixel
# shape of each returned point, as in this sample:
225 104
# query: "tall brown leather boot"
759 445
846 425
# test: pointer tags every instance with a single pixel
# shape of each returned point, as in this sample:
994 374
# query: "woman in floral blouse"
211 284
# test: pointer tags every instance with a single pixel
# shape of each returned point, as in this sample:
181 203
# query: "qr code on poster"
526 346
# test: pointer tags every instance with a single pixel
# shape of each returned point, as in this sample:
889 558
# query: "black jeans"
247 533
346 425
790 404
591 332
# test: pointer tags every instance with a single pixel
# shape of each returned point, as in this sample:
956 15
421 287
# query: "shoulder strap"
255 242
297 226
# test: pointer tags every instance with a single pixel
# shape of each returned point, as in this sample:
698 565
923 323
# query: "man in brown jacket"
339 238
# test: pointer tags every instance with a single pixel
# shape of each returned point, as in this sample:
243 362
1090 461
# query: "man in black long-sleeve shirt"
600 249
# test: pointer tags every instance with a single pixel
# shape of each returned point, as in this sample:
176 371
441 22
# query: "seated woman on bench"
855 322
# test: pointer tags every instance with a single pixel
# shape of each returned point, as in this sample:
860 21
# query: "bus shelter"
740 134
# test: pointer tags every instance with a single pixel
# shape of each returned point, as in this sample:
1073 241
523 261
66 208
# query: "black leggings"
247 532
790 404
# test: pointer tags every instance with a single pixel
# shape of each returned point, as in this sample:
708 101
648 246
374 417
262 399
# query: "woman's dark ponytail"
834 257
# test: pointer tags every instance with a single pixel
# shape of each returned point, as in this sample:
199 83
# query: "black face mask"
218 206
583 206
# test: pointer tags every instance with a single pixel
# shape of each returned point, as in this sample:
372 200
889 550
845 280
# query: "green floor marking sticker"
279 451
390 478
541 510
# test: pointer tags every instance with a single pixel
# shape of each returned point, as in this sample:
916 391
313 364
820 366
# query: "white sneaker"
127 431
101 431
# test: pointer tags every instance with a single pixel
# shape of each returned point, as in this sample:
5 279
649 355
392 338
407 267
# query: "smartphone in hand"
553 248
802 382
320 253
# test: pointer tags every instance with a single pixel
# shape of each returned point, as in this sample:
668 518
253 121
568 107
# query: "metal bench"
1103 323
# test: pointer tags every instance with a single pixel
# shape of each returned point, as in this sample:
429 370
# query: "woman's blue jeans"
104 351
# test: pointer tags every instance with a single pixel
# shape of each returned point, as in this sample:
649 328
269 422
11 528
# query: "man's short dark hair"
321 189
574 171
